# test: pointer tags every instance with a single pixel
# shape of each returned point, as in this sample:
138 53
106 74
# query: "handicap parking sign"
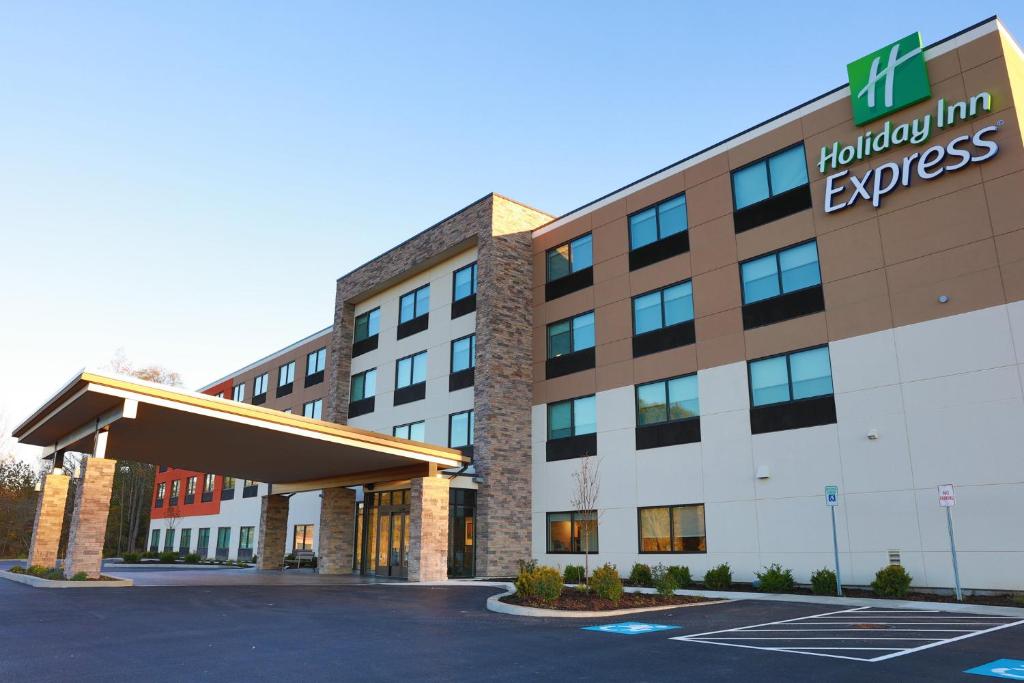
1009 669
629 628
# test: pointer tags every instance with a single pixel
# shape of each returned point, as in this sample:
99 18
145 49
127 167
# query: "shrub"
130 558
150 555
663 580
681 575
45 573
605 583
775 579
80 576
823 582
1018 599
544 583
891 582
640 575
37 570
718 578
192 558
169 557
17 570
574 573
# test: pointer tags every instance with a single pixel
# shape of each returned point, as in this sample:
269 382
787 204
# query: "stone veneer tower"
501 229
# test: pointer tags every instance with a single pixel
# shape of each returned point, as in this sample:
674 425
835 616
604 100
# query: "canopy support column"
337 531
428 529
49 522
273 531
89 519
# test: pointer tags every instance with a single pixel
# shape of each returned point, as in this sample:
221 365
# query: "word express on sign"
832 496
947 498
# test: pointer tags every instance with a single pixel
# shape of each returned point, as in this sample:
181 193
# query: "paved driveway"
406 632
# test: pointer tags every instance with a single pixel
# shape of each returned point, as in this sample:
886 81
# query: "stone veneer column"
49 521
89 518
337 531
428 529
273 532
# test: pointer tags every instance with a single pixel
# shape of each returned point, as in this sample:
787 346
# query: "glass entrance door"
392 556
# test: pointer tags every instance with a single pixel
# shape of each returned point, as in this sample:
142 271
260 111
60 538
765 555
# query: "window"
316 361
154 540
227 489
663 308
791 377
175 490
229 483
572 418
672 529
169 541
572 532
245 538
411 370
203 541
570 257
190 486
260 384
161 491
460 429
464 283
364 385
464 353
571 335
238 392
367 325
667 400
780 273
302 539
313 409
186 541
223 538
414 304
219 394
286 374
658 222
769 177
208 483
414 431
249 488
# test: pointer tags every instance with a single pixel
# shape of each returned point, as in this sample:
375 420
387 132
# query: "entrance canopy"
162 425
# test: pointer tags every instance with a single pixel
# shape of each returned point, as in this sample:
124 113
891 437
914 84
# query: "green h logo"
888 80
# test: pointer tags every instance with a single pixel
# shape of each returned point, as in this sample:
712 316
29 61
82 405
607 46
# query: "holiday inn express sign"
882 83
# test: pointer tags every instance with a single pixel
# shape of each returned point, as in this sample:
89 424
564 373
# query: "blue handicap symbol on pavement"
1010 669
629 628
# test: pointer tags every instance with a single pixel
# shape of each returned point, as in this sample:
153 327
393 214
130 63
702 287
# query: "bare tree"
171 521
583 499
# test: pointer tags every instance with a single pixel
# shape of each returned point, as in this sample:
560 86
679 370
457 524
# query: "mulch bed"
577 600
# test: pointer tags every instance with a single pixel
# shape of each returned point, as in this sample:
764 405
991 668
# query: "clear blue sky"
186 180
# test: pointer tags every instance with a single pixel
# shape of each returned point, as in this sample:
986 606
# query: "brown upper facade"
959 236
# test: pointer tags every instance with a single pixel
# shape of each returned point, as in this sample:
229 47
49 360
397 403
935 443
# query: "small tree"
170 521
586 490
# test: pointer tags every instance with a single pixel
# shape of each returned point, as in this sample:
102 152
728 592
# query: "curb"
495 604
36 582
156 566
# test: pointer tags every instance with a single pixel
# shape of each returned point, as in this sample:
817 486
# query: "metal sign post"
832 501
947 499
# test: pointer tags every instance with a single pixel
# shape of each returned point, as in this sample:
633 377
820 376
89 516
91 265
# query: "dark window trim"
473 280
410 393
159 503
665 434
450 420
778 270
227 493
410 358
573 282
572 334
362 407
365 345
190 498
789 306
664 338
172 501
671 535
572 520
206 497
310 403
318 372
570 447
462 379
804 412
411 327
411 293
281 367
463 306
562 244
660 290
314 379
568 363
472 353
259 399
250 491
285 389
768 175
789 375
409 424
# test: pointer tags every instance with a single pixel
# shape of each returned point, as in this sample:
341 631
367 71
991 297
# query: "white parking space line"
823 635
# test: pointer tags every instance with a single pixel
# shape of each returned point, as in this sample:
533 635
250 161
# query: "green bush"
640 575
192 558
130 558
574 573
664 581
718 578
891 582
150 555
17 570
45 573
605 583
169 557
544 583
775 579
79 576
823 582
681 575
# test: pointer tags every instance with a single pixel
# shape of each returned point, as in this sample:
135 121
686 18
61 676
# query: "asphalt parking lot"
395 632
